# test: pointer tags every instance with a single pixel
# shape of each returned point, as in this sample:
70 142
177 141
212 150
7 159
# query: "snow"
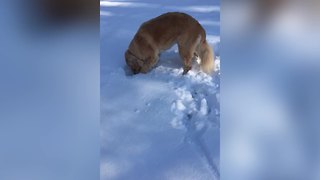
204 107
160 125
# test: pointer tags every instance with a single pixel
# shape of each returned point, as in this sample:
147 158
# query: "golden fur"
160 33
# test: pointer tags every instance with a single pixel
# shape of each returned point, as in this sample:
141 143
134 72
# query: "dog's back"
166 28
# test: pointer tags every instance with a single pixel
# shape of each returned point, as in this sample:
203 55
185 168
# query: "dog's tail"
207 58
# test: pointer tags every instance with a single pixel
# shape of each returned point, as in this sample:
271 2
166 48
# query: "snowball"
180 106
204 107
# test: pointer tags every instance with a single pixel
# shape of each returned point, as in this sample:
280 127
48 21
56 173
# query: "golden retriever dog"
161 33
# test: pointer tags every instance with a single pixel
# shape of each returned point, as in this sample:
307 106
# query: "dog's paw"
184 72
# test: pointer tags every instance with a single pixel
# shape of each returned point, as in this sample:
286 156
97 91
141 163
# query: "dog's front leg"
187 65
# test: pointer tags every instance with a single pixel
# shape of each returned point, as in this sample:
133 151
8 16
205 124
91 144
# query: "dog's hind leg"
187 60
186 51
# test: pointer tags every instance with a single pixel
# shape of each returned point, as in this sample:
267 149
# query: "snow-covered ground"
160 125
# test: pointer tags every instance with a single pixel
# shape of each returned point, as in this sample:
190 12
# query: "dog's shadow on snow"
170 59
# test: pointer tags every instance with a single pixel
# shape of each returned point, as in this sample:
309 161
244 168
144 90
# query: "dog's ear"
132 58
132 62
140 62
127 56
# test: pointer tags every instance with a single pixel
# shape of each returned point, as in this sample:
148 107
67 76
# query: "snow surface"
160 125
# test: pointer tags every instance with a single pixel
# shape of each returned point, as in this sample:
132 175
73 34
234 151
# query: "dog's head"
136 65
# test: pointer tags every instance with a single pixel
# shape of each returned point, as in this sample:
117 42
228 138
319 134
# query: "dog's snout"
135 72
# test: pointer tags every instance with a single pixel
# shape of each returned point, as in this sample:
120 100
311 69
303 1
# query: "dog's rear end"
207 58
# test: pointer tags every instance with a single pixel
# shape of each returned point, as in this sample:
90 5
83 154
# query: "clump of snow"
180 106
217 64
204 107
177 123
